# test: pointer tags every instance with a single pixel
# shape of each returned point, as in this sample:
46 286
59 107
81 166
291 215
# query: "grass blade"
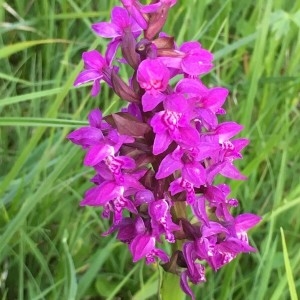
12 49
288 268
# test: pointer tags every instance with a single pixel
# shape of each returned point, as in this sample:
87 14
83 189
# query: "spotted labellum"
156 160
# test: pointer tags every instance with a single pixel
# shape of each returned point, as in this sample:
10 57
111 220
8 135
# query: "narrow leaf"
11 49
288 268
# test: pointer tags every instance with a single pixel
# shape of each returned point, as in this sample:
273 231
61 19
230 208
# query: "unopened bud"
122 89
156 21
128 50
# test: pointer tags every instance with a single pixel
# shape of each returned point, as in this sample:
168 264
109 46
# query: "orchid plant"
156 160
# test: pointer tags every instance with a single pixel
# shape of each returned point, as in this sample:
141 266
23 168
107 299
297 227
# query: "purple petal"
119 139
213 229
208 118
96 88
246 221
235 246
97 153
101 194
197 60
189 255
215 194
111 50
130 182
157 124
141 246
185 285
129 205
95 118
168 166
191 86
215 98
120 17
135 28
227 130
126 161
93 60
161 143
140 225
106 30
138 17
85 136
126 230
150 101
197 64
153 74
240 144
169 3
151 8
213 170
86 76
134 110
175 187
190 195
177 103
198 274
171 62
161 255
230 171
207 150
195 174
103 173
187 136
190 46
224 188
91 196
199 210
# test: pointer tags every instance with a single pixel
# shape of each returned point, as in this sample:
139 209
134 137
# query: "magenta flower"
222 162
207 102
195 271
179 185
241 224
190 59
143 245
134 9
120 26
155 161
96 69
88 136
199 205
197 61
215 197
120 23
129 228
153 77
185 160
219 251
173 124
161 220
110 195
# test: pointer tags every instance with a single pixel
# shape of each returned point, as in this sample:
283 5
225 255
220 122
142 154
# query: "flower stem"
170 288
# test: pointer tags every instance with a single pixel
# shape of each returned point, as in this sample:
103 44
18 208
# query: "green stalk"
169 282
170 287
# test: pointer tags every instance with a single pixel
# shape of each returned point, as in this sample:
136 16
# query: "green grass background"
50 248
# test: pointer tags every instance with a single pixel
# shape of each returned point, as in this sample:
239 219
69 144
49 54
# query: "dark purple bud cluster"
157 158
